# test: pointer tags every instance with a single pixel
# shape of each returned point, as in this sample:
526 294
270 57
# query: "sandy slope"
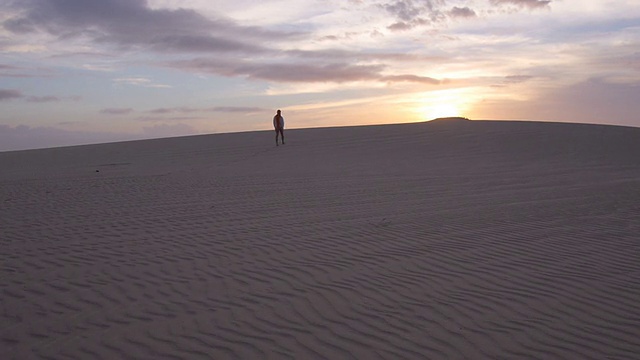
454 240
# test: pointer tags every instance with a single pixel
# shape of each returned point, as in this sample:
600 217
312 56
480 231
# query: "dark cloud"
405 10
8 94
329 38
237 109
131 23
515 79
532 4
344 55
161 111
458 12
410 10
411 78
409 14
293 73
512 79
333 72
227 109
127 23
11 71
116 111
43 99
168 118
203 43
400 26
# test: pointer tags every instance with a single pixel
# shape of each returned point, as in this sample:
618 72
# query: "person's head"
278 112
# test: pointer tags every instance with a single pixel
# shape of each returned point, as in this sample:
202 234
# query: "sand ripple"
425 241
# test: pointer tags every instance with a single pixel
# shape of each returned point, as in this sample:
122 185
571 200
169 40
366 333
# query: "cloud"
99 67
333 72
139 81
282 72
226 109
132 23
43 99
458 12
413 13
401 26
11 71
237 109
337 72
404 10
531 4
116 111
515 79
512 79
167 118
410 14
8 94
356 56
411 78
161 111
4 67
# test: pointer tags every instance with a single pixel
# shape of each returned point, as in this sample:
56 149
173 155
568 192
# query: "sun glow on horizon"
441 104
442 110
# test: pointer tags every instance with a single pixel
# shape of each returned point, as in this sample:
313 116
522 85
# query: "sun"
444 110
447 103
439 104
435 110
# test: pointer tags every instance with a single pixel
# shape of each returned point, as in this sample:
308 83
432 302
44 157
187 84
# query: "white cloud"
140 81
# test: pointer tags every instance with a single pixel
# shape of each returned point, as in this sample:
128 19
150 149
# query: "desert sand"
440 240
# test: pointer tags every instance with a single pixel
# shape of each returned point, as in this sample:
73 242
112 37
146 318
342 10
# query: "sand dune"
441 240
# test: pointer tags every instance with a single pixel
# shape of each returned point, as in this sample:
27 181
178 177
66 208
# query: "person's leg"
276 137
282 135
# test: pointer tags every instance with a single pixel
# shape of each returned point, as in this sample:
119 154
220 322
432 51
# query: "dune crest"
450 119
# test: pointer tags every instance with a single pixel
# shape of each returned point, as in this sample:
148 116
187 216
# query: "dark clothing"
278 122
278 125
281 132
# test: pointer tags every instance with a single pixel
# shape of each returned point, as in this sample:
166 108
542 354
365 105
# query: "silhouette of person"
278 124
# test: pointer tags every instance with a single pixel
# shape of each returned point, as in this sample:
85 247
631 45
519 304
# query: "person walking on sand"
278 124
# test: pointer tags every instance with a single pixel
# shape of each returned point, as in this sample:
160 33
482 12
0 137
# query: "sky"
90 71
